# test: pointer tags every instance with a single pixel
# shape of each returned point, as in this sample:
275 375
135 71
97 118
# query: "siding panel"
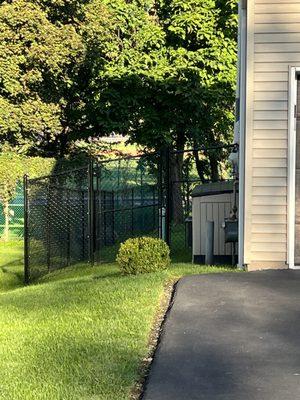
270 105
281 18
269 229
270 67
276 28
279 8
273 115
267 134
271 77
271 96
274 47
270 162
270 143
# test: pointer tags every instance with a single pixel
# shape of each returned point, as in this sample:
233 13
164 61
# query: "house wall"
273 45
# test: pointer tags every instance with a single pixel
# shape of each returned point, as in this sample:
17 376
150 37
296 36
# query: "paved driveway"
230 337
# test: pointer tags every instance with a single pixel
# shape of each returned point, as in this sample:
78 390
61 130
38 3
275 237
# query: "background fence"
16 216
83 215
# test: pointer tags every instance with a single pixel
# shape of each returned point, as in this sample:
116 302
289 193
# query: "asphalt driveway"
230 336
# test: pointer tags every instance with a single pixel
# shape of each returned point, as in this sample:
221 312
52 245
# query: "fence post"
26 232
132 212
164 195
168 195
48 229
69 211
83 216
91 212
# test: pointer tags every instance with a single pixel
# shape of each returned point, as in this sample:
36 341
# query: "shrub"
142 255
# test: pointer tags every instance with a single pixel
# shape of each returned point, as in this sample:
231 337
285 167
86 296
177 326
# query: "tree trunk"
6 221
214 167
200 167
64 142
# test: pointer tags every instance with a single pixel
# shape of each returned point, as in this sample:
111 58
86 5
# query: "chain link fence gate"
126 202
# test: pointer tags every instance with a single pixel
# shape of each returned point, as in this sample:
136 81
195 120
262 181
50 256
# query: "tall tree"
38 61
171 80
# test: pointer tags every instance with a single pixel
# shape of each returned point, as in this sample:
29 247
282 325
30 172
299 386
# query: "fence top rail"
204 148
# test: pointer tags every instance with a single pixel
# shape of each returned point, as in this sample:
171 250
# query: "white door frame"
294 71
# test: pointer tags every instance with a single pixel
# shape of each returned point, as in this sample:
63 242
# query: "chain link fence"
126 198
57 222
83 215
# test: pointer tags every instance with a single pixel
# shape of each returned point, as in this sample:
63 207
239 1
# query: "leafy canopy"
161 71
37 61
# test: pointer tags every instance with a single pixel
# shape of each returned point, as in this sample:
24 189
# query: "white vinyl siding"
275 27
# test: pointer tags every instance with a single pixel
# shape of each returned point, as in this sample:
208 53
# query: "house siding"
273 43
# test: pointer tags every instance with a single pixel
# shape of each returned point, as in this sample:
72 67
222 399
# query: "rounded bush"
142 255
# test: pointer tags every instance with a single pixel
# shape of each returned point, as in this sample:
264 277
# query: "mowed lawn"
80 333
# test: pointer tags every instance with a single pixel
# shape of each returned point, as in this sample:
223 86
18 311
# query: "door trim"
294 71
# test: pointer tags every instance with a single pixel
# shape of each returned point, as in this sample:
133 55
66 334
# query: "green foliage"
174 58
77 69
12 168
142 255
179 59
37 62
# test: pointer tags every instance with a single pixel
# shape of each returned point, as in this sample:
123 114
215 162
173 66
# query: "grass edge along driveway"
80 333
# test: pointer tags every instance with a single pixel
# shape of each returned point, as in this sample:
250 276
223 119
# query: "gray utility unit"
212 202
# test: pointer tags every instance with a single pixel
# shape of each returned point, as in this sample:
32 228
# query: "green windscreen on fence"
16 216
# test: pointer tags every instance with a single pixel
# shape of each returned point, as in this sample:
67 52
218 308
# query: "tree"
39 58
74 69
171 80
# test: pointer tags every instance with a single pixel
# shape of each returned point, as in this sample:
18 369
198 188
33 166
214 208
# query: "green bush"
142 255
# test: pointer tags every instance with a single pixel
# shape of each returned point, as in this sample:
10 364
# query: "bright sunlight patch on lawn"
79 333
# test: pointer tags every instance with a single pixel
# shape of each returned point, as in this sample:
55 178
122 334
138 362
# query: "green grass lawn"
11 265
79 333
